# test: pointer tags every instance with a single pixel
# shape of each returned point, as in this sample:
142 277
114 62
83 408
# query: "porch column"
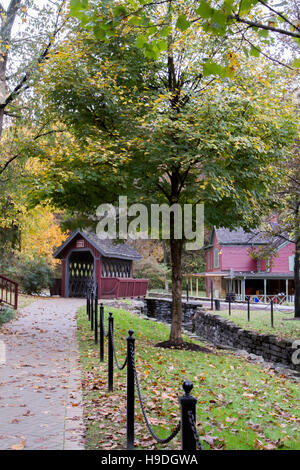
265 290
243 288
286 290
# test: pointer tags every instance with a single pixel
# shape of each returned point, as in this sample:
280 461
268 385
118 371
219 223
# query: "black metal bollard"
188 406
101 333
211 295
248 308
96 324
229 305
130 390
272 314
187 291
96 315
92 311
110 353
88 305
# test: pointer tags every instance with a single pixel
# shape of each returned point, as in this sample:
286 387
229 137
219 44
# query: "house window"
291 262
208 260
258 266
216 258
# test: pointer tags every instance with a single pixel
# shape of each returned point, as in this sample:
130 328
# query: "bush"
153 271
37 275
6 314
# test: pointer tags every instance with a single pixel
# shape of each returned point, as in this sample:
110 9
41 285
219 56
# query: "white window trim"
216 251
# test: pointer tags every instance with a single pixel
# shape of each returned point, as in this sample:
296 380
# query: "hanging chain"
178 427
114 351
194 429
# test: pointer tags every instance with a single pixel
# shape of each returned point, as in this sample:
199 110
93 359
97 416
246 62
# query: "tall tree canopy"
159 130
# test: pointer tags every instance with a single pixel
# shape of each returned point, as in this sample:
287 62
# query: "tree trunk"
176 254
297 278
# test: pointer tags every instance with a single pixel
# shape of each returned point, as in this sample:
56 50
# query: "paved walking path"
40 386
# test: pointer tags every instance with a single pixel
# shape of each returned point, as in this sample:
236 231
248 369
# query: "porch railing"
118 287
261 298
9 292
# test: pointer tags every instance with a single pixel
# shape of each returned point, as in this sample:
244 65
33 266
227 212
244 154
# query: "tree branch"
268 57
278 14
263 26
43 56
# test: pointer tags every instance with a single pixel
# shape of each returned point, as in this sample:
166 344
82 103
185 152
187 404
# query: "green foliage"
32 276
155 272
37 275
218 19
6 314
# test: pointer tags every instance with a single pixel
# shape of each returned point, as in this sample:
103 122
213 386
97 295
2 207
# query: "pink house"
235 263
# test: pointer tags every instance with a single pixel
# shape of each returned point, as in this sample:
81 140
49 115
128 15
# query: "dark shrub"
37 276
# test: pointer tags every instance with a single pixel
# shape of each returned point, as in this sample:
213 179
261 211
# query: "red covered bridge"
86 260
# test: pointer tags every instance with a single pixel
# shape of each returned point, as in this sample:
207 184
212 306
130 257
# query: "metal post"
96 315
101 333
110 353
88 304
187 291
130 390
248 307
96 323
272 315
188 406
212 295
229 304
92 310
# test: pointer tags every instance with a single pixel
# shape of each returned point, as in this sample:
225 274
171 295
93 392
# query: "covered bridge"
87 260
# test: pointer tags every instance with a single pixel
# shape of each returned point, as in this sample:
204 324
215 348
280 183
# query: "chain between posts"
189 436
158 439
194 429
114 352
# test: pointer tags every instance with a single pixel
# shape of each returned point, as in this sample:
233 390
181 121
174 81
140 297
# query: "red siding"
237 258
281 262
210 253
63 277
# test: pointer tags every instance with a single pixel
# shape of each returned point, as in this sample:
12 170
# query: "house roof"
240 237
244 274
107 248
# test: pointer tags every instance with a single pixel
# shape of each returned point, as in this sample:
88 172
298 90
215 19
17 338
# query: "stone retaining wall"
221 331
160 308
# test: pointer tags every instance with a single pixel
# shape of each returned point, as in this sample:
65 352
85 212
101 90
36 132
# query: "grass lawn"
24 300
240 404
260 321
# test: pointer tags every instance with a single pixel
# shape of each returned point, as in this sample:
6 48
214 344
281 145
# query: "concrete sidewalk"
40 383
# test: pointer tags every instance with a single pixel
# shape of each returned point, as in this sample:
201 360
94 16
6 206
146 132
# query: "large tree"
28 32
159 131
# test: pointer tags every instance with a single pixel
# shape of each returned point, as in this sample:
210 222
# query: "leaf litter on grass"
240 405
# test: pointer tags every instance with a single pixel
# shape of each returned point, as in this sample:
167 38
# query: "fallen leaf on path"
19 446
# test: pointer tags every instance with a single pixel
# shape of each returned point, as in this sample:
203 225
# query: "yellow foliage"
41 234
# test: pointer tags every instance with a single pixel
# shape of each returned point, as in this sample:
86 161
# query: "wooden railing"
256 298
8 292
118 287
